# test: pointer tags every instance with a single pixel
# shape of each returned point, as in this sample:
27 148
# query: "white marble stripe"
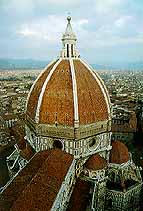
43 90
102 86
75 97
37 80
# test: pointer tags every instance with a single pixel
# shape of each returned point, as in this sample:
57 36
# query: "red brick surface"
95 162
91 102
57 105
27 153
119 153
80 195
37 185
33 99
14 190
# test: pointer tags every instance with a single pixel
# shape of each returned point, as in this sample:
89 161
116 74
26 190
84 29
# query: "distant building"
124 124
75 167
6 142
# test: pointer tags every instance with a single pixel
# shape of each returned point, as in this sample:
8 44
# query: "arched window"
57 144
67 50
72 50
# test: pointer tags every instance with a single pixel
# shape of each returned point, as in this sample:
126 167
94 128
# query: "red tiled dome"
95 162
68 92
119 153
65 93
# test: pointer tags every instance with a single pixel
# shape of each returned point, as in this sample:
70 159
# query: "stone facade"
85 141
113 186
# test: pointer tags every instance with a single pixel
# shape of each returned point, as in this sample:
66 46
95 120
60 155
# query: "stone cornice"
61 131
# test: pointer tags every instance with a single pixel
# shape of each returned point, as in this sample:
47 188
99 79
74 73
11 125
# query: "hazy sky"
107 30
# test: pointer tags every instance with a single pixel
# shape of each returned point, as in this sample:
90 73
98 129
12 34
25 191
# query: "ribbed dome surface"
95 162
68 91
119 153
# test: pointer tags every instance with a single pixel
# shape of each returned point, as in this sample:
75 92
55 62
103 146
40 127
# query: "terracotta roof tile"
14 190
95 162
39 192
119 153
91 102
33 99
80 196
57 104
27 152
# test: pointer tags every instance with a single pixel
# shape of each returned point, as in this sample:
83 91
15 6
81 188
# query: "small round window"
92 142
57 144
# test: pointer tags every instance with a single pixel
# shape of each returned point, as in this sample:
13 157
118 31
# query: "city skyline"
71 139
107 32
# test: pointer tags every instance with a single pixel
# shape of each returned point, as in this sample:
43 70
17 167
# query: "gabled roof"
79 197
37 185
15 188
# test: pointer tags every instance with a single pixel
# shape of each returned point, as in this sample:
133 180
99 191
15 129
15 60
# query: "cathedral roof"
18 184
79 197
119 153
37 185
95 162
27 152
68 92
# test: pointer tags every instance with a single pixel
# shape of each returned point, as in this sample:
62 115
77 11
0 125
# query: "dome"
68 92
119 153
67 101
95 162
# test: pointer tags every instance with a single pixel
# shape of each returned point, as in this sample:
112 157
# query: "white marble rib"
43 90
37 80
75 97
101 84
